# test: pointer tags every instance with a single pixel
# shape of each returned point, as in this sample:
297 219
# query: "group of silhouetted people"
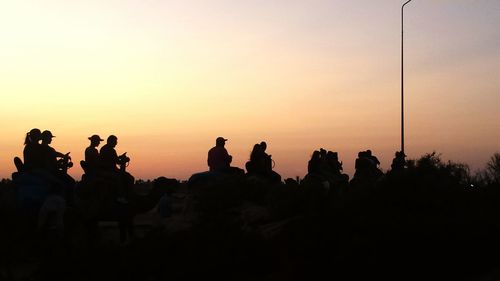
323 164
367 166
103 165
40 158
44 161
261 164
326 165
38 154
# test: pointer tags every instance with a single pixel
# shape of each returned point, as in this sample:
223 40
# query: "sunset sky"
169 76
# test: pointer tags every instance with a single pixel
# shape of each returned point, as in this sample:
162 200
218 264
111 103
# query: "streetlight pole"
402 81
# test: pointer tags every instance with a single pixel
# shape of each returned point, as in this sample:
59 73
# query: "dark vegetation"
432 220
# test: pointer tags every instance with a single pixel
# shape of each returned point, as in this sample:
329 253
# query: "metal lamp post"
402 81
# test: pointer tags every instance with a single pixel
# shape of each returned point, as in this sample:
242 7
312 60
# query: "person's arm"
115 158
228 157
59 154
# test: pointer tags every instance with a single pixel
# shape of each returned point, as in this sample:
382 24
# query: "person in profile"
61 182
32 150
108 156
253 165
91 163
122 181
49 154
219 159
267 160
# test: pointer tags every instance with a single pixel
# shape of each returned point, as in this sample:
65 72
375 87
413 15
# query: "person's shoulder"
104 150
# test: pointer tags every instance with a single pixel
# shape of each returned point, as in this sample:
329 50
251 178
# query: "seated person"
52 169
261 163
219 159
91 163
32 151
121 180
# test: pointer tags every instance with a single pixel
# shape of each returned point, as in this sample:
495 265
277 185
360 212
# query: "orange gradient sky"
168 77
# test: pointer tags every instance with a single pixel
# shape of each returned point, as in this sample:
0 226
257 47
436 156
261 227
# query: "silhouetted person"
49 154
314 165
362 165
92 161
334 166
372 158
334 169
122 181
61 182
261 163
366 166
218 157
399 161
32 150
254 166
268 162
108 157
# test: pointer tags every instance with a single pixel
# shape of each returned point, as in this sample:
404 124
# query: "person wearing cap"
49 154
92 155
219 159
61 182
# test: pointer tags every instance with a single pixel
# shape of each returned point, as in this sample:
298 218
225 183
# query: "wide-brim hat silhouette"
95 138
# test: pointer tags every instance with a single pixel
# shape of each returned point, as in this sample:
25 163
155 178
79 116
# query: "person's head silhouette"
95 140
47 137
263 145
33 136
112 141
220 141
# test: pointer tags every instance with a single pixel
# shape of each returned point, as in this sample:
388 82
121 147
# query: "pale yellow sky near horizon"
168 77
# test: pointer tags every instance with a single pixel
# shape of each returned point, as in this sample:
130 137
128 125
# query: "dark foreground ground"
428 223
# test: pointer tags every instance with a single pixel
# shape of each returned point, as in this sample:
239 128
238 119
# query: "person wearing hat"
49 154
92 155
218 158
61 182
